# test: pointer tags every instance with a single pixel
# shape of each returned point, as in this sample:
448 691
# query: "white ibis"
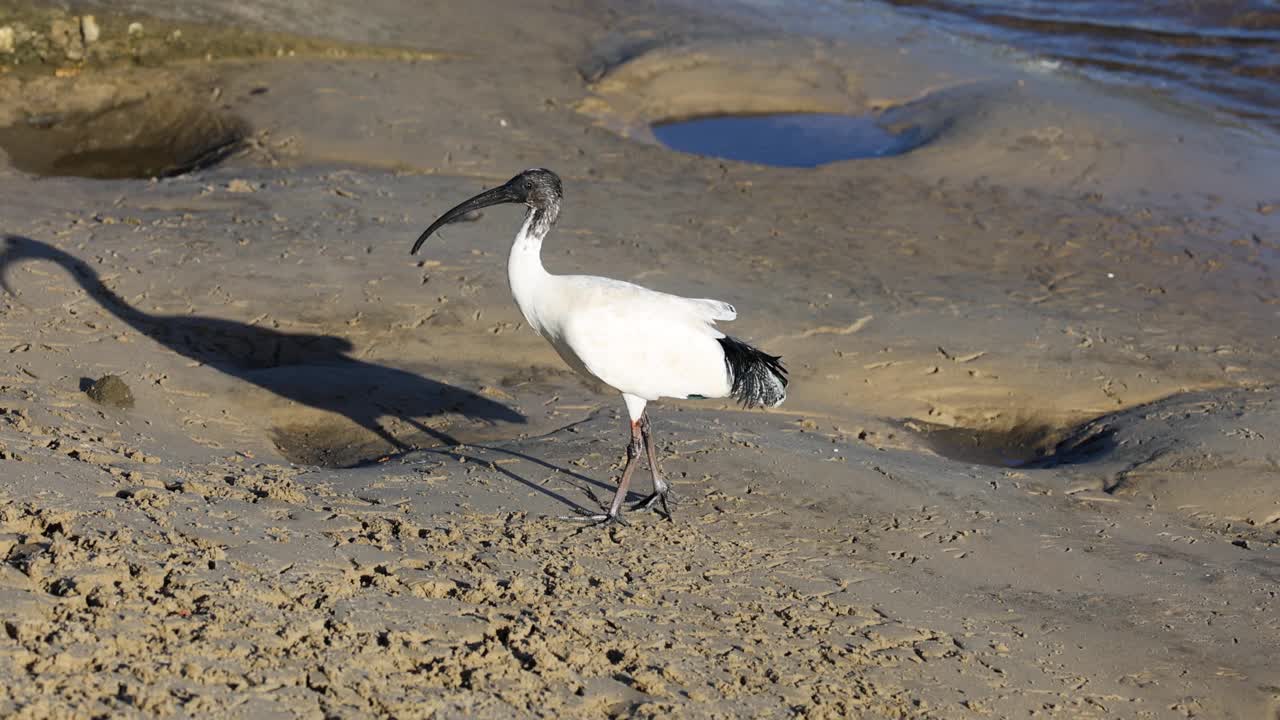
643 343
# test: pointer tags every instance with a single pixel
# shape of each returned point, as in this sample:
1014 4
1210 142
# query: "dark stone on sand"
111 390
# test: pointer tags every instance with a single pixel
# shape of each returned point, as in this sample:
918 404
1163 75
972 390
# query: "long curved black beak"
496 196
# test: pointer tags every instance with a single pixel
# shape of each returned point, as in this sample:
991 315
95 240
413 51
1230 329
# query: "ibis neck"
524 268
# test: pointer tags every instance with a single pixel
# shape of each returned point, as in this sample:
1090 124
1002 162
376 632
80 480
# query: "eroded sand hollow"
1025 466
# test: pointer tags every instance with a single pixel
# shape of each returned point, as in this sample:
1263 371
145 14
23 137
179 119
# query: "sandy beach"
1027 466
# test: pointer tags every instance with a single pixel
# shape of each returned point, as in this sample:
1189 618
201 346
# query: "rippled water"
1221 53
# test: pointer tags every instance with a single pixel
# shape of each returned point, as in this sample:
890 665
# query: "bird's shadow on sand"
312 370
585 485
315 371
578 481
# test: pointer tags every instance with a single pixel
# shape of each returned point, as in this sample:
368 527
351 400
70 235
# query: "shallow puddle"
984 447
143 140
1027 445
787 140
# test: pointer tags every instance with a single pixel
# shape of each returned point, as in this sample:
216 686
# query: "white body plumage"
642 343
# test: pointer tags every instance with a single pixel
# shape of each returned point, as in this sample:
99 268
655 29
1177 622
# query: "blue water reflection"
786 140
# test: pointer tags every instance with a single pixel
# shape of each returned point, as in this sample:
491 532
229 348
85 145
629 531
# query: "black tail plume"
758 377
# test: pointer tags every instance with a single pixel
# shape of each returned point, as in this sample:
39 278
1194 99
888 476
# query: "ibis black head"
538 188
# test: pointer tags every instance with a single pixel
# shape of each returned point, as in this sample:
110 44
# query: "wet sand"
1026 467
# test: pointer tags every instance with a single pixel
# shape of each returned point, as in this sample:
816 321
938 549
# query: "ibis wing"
714 309
608 289
646 343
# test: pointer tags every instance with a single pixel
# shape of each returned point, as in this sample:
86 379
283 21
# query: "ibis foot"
597 519
651 503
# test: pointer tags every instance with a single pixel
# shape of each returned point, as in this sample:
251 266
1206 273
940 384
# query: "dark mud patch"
331 446
161 136
1025 445
342 445
799 140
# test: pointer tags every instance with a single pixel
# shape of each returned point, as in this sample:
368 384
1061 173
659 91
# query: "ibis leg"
661 488
615 507
633 454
